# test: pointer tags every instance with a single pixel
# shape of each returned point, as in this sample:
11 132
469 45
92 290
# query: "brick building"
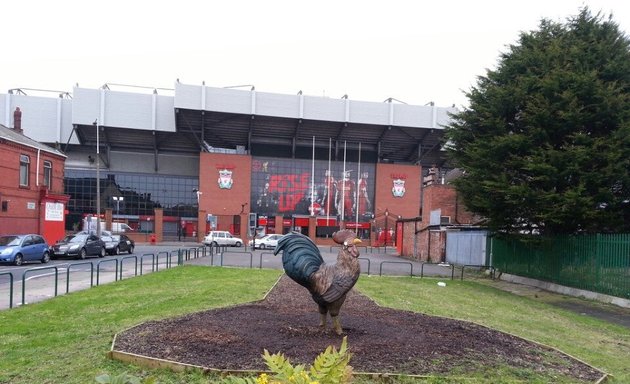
425 237
31 185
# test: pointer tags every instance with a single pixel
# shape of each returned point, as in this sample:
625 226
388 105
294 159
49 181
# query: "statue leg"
322 316
337 325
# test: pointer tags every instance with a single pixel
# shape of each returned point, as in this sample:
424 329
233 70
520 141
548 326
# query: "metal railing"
134 265
101 267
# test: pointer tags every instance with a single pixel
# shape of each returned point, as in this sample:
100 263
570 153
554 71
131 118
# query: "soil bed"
380 339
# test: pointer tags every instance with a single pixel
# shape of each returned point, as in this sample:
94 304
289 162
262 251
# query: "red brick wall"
444 197
426 244
222 202
409 204
405 206
409 241
20 218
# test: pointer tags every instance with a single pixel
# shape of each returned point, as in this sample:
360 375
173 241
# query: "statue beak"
356 241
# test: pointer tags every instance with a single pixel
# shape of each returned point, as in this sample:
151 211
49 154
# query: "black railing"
136 266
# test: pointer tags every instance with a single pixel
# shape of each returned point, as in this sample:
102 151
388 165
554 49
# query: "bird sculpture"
327 283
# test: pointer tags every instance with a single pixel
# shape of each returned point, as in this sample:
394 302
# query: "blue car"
17 249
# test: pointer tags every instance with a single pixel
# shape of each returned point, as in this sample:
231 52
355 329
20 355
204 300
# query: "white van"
121 227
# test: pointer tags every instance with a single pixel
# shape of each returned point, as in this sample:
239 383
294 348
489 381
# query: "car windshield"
10 241
115 237
74 238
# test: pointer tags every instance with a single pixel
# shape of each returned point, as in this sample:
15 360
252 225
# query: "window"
47 174
24 170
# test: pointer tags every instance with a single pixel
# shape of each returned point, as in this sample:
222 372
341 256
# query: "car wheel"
238 244
117 251
45 258
82 254
18 259
103 252
214 244
130 249
262 246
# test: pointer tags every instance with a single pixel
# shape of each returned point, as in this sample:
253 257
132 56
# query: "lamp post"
98 182
118 199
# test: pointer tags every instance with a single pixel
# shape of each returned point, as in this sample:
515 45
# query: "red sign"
301 221
401 176
323 222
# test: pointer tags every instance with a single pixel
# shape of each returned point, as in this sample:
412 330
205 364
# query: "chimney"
17 120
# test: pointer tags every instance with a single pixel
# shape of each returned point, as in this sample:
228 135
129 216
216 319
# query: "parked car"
115 244
266 242
17 249
79 246
93 232
214 238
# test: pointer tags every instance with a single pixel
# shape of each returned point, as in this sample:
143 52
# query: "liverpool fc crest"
225 179
398 190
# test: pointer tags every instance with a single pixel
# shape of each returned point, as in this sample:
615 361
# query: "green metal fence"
598 263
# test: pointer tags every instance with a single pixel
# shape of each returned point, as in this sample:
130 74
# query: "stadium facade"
180 162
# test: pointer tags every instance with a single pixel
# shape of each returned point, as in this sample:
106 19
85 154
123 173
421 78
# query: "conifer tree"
545 141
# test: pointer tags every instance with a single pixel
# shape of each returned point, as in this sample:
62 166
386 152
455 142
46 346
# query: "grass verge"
65 339
596 342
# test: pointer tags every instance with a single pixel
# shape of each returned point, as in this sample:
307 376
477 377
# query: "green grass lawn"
598 343
65 339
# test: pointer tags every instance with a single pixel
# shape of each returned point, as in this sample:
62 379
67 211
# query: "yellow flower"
262 379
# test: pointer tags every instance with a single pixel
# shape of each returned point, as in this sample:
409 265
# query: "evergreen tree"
545 141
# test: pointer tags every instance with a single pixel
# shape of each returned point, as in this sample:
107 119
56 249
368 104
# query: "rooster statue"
327 283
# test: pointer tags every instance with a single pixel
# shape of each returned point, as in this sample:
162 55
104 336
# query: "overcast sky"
413 51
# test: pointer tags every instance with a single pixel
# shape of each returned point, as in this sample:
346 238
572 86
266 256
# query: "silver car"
266 242
223 238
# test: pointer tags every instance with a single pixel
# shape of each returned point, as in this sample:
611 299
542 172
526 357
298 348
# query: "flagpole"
313 180
356 199
328 183
343 184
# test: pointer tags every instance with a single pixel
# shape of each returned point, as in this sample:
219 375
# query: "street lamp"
98 182
118 199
